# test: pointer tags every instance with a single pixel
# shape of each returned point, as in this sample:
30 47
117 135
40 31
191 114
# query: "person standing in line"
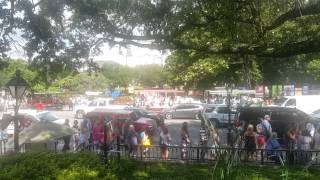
203 134
67 123
266 126
132 140
98 133
84 134
316 139
67 138
165 141
76 128
250 141
261 139
185 140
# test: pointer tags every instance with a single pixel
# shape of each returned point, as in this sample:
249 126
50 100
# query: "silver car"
188 111
218 114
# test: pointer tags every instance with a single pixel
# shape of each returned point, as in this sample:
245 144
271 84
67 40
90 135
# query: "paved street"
173 124
174 128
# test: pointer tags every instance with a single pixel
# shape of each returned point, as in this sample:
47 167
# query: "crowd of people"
262 137
93 134
148 101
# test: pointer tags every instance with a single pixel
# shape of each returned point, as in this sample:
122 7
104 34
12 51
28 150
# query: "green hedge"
89 166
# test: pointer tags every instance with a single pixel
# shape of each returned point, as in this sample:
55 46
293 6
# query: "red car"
119 118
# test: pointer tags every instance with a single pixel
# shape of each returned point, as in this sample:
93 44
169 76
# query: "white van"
307 103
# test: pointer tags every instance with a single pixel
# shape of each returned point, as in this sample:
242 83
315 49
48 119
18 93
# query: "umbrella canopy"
41 132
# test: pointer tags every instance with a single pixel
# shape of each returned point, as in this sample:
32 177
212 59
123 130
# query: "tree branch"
310 9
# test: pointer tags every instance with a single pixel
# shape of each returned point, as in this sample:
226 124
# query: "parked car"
50 116
281 119
120 118
316 114
306 103
189 111
101 103
152 115
218 115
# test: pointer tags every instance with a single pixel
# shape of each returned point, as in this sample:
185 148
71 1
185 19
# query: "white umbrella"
42 132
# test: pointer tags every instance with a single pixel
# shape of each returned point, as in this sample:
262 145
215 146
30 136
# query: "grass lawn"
89 166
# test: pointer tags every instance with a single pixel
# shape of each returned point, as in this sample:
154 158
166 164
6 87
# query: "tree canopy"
70 32
219 37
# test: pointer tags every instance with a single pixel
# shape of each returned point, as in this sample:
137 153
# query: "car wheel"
196 116
169 116
80 114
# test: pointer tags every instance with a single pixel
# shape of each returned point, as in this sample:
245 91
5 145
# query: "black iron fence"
196 154
210 154
3 149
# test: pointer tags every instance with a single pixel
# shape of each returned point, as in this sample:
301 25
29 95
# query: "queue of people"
262 137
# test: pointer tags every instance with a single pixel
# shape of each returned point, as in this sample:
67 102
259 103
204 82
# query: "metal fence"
198 154
209 154
3 149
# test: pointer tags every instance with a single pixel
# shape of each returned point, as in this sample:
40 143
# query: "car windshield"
280 101
48 116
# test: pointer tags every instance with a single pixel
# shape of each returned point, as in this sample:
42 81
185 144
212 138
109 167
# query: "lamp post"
17 87
229 88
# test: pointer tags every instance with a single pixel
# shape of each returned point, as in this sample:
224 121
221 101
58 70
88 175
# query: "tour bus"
222 94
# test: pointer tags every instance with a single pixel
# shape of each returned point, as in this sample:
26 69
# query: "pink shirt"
98 132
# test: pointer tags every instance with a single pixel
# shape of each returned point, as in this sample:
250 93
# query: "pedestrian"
165 141
316 139
84 134
145 142
304 140
250 141
261 138
185 140
67 123
291 137
291 141
76 128
272 146
304 145
203 134
98 134
266 126
132 140
66 139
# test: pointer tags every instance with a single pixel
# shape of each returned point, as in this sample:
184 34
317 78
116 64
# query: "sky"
132 56
135 55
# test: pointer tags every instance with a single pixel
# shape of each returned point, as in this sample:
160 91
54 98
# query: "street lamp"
17 87
229 88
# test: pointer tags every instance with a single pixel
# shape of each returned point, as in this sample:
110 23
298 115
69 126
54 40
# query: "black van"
281 119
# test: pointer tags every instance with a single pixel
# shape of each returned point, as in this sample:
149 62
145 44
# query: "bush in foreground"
90 166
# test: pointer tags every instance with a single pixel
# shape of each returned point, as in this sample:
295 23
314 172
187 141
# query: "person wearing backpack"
266 127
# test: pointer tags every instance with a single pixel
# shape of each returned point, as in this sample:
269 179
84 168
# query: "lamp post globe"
17 87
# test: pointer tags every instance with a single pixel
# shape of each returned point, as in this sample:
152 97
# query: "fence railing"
201 154
3 149
210 154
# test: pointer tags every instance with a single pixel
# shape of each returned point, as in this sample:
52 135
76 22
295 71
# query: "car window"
47 117
93 103
210 109
102 103
291 102
223 110
181 107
